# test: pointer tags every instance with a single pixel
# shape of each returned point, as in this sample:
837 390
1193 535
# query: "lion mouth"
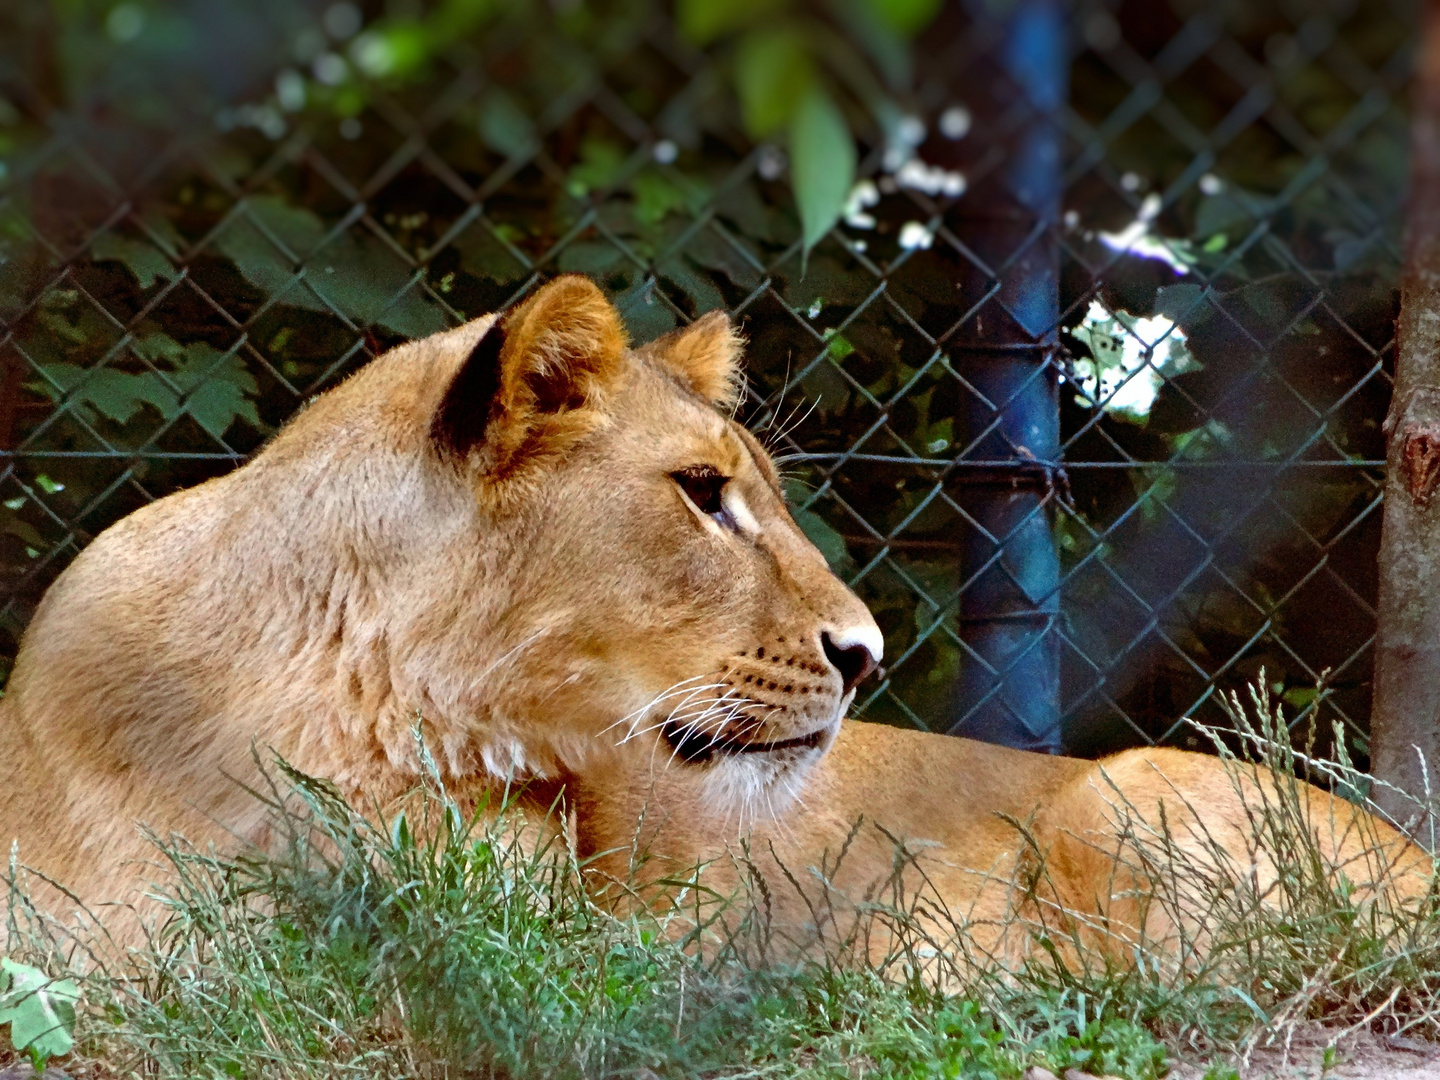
696 748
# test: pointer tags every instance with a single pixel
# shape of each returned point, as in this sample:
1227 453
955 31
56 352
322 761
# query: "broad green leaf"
773 73
215 389
504 126
355 272
143 260
822 164
699 289
823 535
600 165
485 256
115 395
40 1010
1224 211
710 250
702 21
26 532
1183 303
589 257
395 47
905 16
646 315
655 196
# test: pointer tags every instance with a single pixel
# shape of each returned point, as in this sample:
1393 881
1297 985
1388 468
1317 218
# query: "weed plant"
434 944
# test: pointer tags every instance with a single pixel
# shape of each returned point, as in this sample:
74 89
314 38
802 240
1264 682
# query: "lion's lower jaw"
741 791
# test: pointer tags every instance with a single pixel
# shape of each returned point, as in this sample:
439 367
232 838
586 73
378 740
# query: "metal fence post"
1010 687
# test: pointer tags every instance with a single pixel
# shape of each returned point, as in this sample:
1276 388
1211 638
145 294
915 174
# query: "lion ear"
706 355
537 379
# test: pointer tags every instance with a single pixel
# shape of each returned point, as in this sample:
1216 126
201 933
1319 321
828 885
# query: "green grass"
445 947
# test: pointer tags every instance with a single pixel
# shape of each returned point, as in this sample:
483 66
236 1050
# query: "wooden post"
1405 722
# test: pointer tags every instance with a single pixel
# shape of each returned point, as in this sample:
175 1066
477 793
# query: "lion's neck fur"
376 592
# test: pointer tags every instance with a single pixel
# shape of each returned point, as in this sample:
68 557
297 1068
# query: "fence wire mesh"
1222 247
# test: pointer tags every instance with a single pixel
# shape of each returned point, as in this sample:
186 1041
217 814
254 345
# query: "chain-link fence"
1083 394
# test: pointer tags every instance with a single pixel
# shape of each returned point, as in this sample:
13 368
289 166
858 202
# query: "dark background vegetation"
211 211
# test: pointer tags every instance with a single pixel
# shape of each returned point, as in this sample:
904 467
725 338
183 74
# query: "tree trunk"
1405 724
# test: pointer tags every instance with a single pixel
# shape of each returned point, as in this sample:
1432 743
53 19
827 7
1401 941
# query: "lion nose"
854 653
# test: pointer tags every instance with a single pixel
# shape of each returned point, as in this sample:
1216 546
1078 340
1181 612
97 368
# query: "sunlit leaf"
822 164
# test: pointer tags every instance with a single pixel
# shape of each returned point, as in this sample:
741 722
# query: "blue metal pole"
1010 680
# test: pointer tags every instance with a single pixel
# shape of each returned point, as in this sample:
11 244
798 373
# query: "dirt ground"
1361 1056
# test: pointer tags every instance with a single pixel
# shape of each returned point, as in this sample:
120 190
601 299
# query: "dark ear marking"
464 414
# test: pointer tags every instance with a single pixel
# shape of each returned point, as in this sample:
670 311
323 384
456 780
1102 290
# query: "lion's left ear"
537 380
706 356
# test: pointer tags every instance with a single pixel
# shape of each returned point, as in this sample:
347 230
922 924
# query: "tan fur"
523 574
976 847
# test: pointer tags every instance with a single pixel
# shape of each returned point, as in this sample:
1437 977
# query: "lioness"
563 556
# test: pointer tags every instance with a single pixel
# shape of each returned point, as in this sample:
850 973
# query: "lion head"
586 555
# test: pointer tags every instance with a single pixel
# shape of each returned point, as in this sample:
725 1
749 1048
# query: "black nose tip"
854 662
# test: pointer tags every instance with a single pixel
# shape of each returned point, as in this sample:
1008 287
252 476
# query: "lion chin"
559 559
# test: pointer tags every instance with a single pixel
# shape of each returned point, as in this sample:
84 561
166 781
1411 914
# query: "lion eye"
703 484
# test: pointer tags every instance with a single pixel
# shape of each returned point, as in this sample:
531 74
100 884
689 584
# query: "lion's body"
483 532
977 845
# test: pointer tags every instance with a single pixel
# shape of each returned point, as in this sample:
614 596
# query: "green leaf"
822 164
699 290
355 272
600 165
891 52
26 532
484 255
143 260
1224 211
115 395
40 1010
905 16
589 257
646 315
1183 303
820 533
773 73
455 18
213 388
702 21
504 126
395 47
655 196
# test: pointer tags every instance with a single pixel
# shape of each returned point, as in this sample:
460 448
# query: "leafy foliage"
456 152
40 1011
435 942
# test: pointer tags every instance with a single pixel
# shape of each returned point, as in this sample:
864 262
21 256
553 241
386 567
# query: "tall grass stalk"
428 943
